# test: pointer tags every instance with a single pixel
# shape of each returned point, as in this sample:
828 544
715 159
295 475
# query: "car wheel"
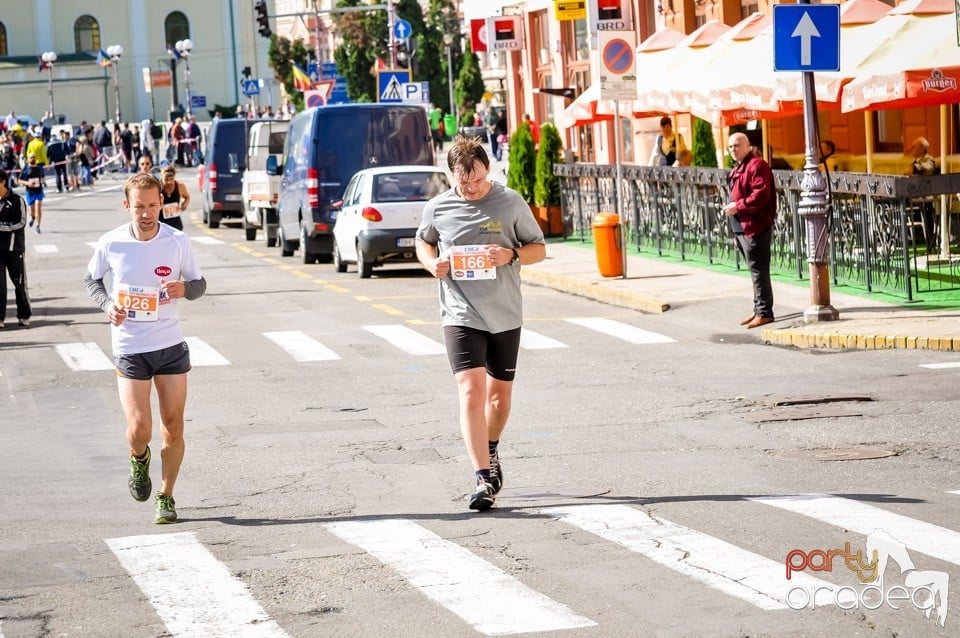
338 262
364 268
213 220
308 257
286 248
205 213
269 234
249 232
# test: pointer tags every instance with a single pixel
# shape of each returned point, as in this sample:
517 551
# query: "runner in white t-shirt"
473 238
151 266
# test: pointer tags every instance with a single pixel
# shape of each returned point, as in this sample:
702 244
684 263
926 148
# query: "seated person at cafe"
924 164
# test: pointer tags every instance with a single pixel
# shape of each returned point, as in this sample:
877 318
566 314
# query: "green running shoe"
166 510
139 481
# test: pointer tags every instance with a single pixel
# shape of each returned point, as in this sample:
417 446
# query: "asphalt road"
652 488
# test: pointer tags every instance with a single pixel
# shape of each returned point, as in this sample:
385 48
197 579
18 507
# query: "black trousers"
13 263
60 168
756 251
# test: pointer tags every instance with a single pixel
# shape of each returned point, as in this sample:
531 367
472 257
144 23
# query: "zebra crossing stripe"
846 513
486 597
301 347
45 249
203 239
620 330
81 357
758 580
530 340
193 593
202 354
941 366
408 340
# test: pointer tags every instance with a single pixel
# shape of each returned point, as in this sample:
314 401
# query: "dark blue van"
325 146
223 166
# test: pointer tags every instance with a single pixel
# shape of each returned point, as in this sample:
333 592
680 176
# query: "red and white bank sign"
505 33
478 35
610 15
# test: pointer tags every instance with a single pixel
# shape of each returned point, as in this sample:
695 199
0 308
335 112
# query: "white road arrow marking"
805 30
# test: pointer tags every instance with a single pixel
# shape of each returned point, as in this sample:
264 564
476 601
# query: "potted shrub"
546 188
522 158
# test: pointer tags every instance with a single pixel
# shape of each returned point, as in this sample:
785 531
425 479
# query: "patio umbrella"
658 71
919 65
583 110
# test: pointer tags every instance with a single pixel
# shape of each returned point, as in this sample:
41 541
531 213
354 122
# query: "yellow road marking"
387 309
337 288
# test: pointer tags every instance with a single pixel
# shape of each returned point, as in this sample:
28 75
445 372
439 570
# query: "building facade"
223 33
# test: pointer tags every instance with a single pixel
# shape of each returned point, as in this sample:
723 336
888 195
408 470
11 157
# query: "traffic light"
403 54
261 10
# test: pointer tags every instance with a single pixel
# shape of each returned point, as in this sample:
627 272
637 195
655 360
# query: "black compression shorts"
471 348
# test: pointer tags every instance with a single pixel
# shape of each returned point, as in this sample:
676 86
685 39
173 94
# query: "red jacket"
753 191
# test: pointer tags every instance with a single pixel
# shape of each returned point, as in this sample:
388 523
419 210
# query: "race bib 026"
470 263
140 302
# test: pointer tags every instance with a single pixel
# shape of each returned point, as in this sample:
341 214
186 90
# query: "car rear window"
409 187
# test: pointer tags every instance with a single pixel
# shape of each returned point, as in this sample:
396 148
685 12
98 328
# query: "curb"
594 291
834 341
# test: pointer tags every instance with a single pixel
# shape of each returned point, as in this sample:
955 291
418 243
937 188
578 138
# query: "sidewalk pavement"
655 286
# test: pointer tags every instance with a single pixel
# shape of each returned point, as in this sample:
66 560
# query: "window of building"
3 39
86 34
540 27
575 40
748 8
176 27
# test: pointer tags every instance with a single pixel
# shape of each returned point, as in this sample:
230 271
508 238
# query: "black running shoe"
483 497
496 472
139 481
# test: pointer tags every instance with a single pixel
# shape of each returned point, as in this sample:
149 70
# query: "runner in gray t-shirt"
473 238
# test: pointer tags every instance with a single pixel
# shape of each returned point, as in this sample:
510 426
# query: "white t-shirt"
143 264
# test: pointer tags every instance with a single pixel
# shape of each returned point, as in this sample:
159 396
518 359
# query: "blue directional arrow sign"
806 37
402 29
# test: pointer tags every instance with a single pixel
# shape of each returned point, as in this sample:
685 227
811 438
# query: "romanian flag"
41 65
172 50
301 81
103 59
378 65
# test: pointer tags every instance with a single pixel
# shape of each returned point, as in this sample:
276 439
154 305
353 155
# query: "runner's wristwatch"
516 256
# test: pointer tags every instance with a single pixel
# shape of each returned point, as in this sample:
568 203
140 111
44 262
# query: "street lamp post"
115 51
448 40
185 48
49 57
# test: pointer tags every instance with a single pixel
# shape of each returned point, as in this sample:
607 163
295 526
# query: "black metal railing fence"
876 240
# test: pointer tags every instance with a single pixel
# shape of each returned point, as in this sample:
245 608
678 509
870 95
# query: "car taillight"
200 177
371 214
212 178
313 188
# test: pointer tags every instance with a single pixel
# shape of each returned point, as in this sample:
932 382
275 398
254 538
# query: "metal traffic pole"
814 207
618 143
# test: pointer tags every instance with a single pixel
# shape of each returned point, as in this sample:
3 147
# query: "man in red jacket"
752 212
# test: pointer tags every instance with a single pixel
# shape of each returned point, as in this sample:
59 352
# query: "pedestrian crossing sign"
390 85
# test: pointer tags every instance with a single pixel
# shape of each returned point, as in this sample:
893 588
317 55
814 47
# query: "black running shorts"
471 348
143 366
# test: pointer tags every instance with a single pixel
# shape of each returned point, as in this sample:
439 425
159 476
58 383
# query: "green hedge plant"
546 190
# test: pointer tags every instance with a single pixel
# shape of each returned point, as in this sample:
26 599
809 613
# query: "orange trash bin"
606 237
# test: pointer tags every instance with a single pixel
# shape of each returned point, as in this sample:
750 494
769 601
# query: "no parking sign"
618 65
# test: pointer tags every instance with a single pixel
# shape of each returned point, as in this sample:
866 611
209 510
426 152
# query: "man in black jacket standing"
13 219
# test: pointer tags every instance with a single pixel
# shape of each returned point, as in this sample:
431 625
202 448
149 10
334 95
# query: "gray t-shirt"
501 218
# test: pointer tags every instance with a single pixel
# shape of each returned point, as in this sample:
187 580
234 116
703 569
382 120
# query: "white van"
261 179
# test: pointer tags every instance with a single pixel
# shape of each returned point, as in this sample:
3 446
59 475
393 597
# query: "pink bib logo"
162 271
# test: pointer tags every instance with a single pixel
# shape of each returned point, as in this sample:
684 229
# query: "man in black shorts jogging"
151 267
474 238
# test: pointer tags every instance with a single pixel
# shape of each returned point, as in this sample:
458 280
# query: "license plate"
233 198
406 242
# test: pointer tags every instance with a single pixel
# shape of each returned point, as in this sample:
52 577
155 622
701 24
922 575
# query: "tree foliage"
282 53
468 89
704 149
546 190
523 160
442 18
